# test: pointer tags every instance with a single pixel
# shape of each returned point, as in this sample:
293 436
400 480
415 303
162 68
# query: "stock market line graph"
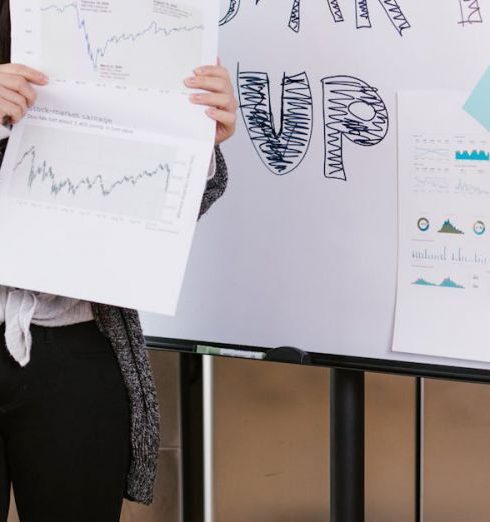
94 53
94 173
102 45
42 172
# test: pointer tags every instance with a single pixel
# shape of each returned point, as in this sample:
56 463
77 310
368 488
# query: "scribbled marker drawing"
336 10
295 17
362 14
353 110
470 12
231 12
363 19
281 150
396 16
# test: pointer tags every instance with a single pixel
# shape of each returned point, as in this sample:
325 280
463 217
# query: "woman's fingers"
213 70
16 91
14 98
221 101
28 73
19 85
10 111
220 98
228 119
208 83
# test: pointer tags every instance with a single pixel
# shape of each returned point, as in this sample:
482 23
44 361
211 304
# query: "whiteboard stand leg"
419 448
208 437
347 446
191 419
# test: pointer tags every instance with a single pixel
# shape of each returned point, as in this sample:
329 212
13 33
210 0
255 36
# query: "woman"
79 427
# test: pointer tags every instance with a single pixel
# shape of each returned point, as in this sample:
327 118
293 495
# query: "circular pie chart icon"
423 224
479 228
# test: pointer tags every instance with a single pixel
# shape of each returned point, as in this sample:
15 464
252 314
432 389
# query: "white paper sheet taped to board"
443 295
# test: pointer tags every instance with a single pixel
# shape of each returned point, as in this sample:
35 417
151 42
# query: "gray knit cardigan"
122 327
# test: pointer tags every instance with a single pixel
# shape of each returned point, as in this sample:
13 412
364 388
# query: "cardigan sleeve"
3 146
216 186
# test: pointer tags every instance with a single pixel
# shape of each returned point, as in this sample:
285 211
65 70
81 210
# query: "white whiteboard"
301 259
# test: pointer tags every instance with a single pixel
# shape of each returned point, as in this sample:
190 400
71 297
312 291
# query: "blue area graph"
449 283
449 228
475 155
446 283
96 53
44 173
423 282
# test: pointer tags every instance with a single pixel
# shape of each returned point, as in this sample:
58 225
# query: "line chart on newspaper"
112 160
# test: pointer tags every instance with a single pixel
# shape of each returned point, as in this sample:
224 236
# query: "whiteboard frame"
402 368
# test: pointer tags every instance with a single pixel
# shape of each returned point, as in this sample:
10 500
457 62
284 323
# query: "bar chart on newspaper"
113 158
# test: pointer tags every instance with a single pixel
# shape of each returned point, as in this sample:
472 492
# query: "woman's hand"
16 92
220 99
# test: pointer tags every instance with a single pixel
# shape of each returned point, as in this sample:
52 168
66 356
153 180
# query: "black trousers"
64 428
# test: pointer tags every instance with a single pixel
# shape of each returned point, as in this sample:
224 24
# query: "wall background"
272 438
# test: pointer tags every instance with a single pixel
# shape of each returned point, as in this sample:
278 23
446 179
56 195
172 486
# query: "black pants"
64 428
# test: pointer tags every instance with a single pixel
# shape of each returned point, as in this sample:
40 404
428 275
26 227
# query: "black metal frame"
191 415
347 428
435 371
419 449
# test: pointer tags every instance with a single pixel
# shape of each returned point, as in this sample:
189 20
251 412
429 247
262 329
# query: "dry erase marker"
210 350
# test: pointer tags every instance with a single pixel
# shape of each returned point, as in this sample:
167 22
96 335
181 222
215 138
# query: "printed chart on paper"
154 46
112 160
444 241
95 173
